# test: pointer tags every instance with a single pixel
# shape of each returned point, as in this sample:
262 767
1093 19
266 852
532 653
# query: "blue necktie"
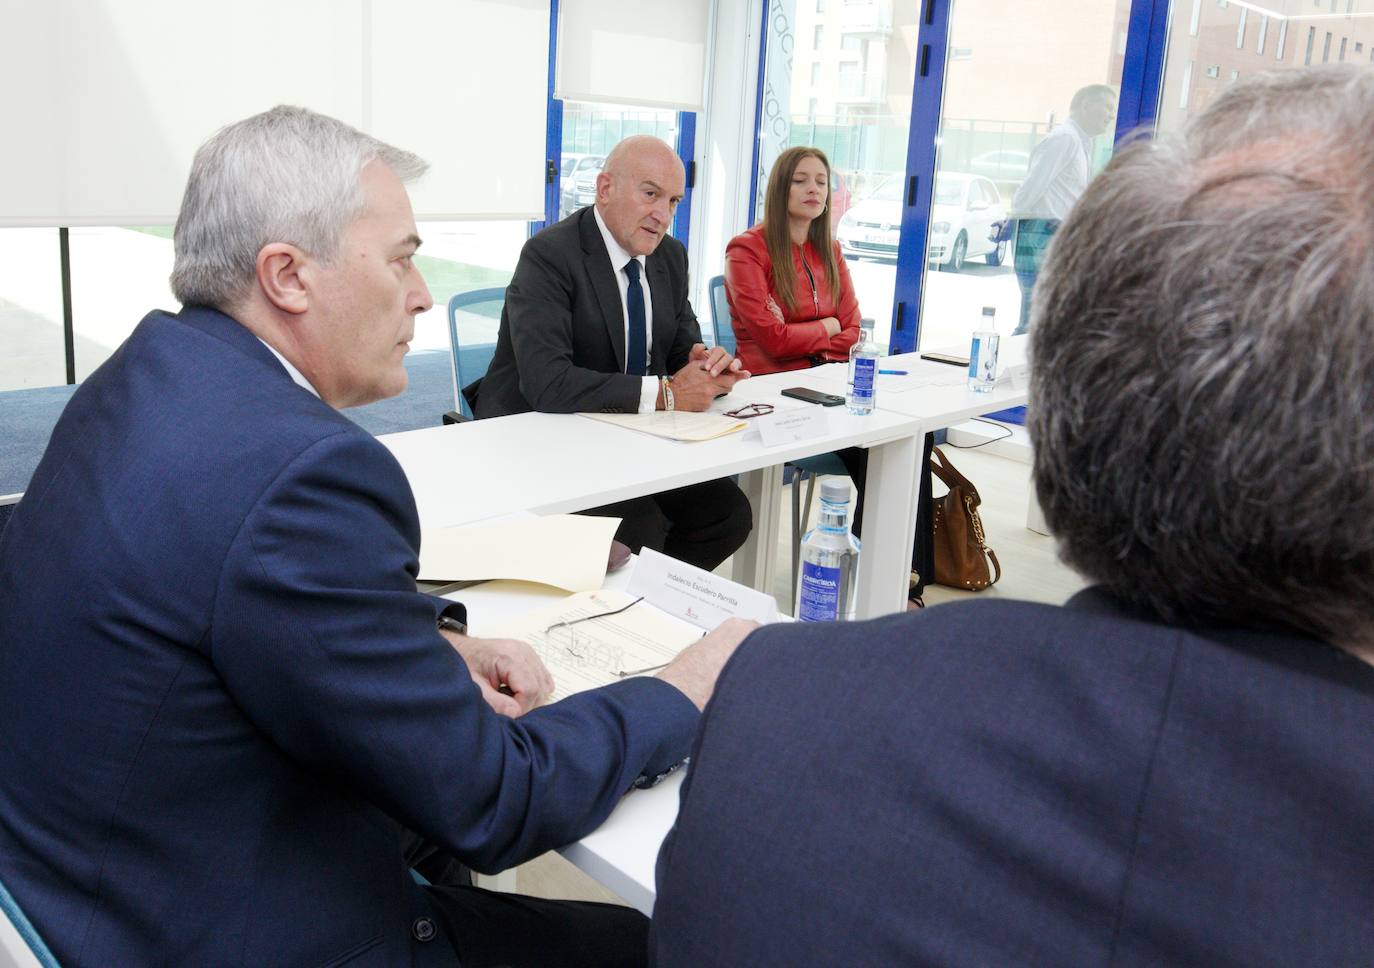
635 349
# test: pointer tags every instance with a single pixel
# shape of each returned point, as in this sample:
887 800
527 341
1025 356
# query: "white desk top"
936 393
558 463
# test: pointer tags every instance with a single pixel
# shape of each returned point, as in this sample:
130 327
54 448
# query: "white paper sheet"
673 424
564 550
589 654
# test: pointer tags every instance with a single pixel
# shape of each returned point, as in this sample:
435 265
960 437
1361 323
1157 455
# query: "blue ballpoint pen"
894 372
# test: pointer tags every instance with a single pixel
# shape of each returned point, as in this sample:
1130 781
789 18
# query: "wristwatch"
447 623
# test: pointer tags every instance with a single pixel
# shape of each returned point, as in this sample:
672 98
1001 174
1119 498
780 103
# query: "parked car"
965 207
577 181
1006 165
840 198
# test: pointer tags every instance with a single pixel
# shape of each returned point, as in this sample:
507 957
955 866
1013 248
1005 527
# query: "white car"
965 208
577 181
1007 165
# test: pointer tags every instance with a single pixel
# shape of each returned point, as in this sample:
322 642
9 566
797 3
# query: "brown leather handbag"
961 550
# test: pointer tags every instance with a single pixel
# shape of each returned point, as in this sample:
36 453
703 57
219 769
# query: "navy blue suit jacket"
221 694
1002 783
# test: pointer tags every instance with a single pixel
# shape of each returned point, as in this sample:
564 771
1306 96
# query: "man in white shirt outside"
1060 167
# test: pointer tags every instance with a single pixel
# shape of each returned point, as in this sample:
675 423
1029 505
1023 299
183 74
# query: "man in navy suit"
1177 766
597 319
224 705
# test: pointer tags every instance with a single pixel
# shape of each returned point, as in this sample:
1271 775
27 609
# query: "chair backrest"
20 945
720 315
471 362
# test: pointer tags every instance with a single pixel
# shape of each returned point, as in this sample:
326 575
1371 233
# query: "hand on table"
697 667
716 361
707 375
495 664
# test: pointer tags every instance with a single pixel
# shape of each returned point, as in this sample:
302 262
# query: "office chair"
724 333
20 945
807 469
470 363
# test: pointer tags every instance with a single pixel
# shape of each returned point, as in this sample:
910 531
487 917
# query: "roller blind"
638 52
105 101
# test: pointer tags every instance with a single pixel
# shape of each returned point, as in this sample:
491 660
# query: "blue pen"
894 372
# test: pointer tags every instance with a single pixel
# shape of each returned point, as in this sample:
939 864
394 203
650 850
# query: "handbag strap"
976 519
950 475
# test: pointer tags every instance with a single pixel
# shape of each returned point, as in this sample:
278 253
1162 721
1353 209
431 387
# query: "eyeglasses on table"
750 410
564 636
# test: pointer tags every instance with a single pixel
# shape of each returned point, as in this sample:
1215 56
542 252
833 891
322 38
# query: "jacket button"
423 929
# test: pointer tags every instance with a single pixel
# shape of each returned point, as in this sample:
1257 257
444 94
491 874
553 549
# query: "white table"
556 463
936 395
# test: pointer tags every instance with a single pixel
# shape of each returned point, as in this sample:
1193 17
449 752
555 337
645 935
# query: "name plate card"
695 595
791 426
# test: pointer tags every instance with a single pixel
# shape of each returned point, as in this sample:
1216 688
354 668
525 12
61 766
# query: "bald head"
637 192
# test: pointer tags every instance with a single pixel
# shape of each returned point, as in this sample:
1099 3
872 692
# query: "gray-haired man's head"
300 228
1203 364
286 175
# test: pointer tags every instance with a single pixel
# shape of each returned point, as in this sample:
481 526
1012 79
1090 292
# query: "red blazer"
768 338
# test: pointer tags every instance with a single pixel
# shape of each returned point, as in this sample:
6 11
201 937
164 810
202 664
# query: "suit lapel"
665 322
604 284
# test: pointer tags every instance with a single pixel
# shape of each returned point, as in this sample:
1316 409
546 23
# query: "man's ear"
283 273
603 187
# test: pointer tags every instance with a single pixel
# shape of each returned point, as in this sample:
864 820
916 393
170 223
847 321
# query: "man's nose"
420 299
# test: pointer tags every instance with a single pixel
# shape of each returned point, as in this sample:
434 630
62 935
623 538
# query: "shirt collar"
618 255
1083 136
296 375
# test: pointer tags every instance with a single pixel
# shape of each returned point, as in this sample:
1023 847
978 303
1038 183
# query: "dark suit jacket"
1001 783
561 347
220 692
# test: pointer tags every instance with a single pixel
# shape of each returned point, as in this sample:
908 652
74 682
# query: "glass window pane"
1183 95
460 257
589 132
31 351
857 111
1018 143
119 275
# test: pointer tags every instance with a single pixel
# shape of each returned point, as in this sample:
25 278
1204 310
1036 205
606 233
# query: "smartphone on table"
813 396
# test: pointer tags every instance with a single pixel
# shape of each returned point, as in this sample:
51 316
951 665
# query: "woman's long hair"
777 233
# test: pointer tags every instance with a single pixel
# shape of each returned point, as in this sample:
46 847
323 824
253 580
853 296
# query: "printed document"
586 654
673 424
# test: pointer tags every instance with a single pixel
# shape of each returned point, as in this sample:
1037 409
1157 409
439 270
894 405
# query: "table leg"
890 499
754 562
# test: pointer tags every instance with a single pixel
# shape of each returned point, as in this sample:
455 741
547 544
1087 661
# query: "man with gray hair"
1175 767
225 705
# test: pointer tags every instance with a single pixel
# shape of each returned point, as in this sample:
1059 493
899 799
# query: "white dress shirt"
1057 175
297 376
648 393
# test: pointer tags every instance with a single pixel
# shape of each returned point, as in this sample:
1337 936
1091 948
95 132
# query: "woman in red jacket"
791 300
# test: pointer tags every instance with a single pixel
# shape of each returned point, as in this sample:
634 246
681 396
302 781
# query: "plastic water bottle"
982 354
830 560
863 372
